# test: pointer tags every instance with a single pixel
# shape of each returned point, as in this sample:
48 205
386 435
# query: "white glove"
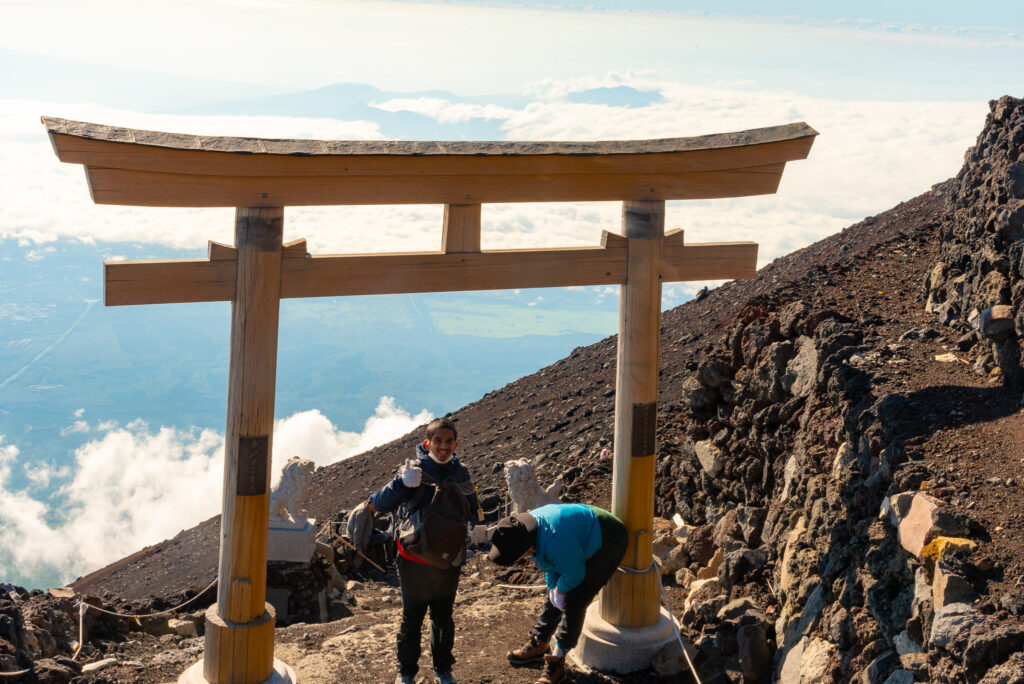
411 474
478 535
557 599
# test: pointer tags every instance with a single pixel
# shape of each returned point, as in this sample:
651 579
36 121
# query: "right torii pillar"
628 625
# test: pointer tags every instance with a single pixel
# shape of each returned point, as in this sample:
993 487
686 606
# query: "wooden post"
632 600
461 228
240 645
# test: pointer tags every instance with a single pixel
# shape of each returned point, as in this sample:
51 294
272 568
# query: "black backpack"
436 531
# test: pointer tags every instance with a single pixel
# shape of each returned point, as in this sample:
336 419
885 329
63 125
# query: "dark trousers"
600 568
423 587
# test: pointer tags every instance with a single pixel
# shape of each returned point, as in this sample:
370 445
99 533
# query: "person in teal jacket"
578 547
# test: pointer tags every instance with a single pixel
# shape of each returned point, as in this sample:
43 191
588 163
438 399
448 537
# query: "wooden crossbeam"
211 280
147 188
149 168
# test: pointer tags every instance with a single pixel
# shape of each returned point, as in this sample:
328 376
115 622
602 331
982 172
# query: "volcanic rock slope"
841 434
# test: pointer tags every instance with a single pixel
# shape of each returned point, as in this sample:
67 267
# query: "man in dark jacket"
425 585
579 548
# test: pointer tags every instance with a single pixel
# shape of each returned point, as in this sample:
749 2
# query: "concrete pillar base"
608 648
282 674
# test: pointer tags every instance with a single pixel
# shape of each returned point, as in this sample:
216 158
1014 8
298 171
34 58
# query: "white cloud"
79 413
38 254
311 435
136 485
41 475
77 426
868 157
443 110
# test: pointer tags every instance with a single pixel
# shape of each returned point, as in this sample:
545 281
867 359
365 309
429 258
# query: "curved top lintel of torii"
148 168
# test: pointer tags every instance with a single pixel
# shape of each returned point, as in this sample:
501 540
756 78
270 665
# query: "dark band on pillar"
645 419
252 465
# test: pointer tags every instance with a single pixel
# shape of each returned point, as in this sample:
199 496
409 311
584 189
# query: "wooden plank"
164 282
241 595
461 231
215 251
609 239
709 261
141 188
111 147
630 600
296 249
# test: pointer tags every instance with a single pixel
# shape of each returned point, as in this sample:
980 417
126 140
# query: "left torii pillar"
240 625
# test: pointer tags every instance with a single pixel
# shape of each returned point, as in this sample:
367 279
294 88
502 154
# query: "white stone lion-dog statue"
286 494
524 489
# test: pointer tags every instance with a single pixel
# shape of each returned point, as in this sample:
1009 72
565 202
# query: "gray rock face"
696 395
950 620
753 652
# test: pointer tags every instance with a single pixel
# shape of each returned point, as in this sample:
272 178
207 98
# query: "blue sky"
897 90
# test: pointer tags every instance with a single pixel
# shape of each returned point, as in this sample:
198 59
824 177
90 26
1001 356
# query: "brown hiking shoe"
530 653
554 670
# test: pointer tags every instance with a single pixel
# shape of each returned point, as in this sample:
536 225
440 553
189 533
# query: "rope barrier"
522 586
16 673
149 615
83 606
678 631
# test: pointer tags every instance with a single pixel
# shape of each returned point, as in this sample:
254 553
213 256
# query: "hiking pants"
423 587
600 568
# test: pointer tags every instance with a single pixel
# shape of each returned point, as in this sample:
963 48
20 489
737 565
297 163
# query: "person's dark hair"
438 423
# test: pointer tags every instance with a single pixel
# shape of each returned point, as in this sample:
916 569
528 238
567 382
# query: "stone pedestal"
607 648
281 674
291 541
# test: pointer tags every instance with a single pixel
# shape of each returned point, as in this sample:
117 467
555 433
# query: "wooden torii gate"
260 177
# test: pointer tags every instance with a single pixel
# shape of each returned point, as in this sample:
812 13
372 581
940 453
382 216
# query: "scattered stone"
685 577
185 628
949 620
948 357
900 676
670 661
917 663
996 322
710 457
49 671
696 395
989 647
925 521
753 652
949 587
941 548
815 665
737 608
905 644
711 569
879 669
98 665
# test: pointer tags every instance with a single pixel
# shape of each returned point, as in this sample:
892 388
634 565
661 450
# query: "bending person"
579 548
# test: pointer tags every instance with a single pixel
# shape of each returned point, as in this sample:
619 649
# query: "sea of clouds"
136 484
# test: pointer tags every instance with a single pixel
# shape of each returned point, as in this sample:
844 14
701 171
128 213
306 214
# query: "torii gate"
260 177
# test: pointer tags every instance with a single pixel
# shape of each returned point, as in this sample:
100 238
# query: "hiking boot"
443 678
530 653
405 679
554 670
